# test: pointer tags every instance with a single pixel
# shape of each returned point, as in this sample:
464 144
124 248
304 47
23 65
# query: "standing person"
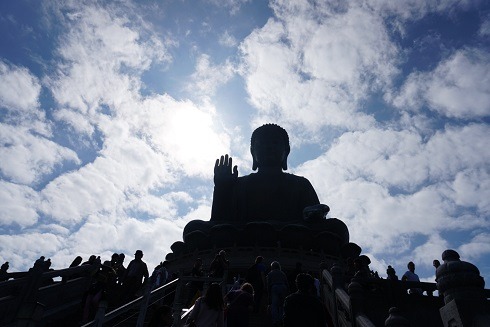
256 277
240 303
411 276
303 308
218 265
120 269
3 272
277 286
292 276
209 309
195 286
391 273
136 271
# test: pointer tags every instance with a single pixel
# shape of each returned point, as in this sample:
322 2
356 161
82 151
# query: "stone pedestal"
463 289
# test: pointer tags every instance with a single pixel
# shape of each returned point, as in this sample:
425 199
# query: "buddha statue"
270 194
268 206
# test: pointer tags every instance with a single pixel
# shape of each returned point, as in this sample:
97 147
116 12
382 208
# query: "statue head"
270 147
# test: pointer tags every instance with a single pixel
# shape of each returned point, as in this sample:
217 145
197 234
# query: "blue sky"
112 114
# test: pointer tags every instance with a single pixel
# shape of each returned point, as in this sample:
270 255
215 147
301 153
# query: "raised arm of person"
224 180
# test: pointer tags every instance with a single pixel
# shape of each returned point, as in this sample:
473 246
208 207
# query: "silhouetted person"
350 270
316 283
159 276
278 289
303 308
91 260
269 194
3 272
136 271
292 276
240 304
411 276
218 265
208 310
120 269
361 265
102 281
195 286
161 316
256 277
391 273
75 263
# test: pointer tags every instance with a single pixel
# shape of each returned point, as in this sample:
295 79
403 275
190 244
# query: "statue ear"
285 163
254 162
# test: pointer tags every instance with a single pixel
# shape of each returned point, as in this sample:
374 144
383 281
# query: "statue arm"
224 181
310 197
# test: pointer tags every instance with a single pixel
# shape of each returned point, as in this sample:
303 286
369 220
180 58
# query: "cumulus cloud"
476 247
208 77
19 89
386 183
145 144
27 157
313 71
458 87
18 204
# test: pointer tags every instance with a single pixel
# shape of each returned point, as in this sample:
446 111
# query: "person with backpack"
256 277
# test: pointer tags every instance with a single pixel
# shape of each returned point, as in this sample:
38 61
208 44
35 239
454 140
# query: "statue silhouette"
268 206
267 195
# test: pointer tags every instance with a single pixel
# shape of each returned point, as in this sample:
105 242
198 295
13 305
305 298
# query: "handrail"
187 313
126 307
363 321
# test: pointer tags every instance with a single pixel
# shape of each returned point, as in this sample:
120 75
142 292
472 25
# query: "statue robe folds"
277 197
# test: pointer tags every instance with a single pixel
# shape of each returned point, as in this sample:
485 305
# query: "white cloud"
313 71
102 54
207 77
147 143
458 87
19 89
18 204
472 188
26 157
385 184
22 250
227 40
476 248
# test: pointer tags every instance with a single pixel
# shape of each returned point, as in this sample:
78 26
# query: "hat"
138 252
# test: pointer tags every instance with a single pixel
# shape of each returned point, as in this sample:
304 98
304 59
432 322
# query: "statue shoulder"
296 178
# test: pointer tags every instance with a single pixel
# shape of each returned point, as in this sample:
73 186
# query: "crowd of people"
264 289
111 281
290 299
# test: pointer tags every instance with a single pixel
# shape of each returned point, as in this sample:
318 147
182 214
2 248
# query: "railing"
34 296
366 300
142 302
180 295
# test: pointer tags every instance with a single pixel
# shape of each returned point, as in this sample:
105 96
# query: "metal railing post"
144 306
100 316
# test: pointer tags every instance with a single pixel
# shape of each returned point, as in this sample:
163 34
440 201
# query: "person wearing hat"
136 271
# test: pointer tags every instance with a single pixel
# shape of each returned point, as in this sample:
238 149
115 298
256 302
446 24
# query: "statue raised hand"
223 174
